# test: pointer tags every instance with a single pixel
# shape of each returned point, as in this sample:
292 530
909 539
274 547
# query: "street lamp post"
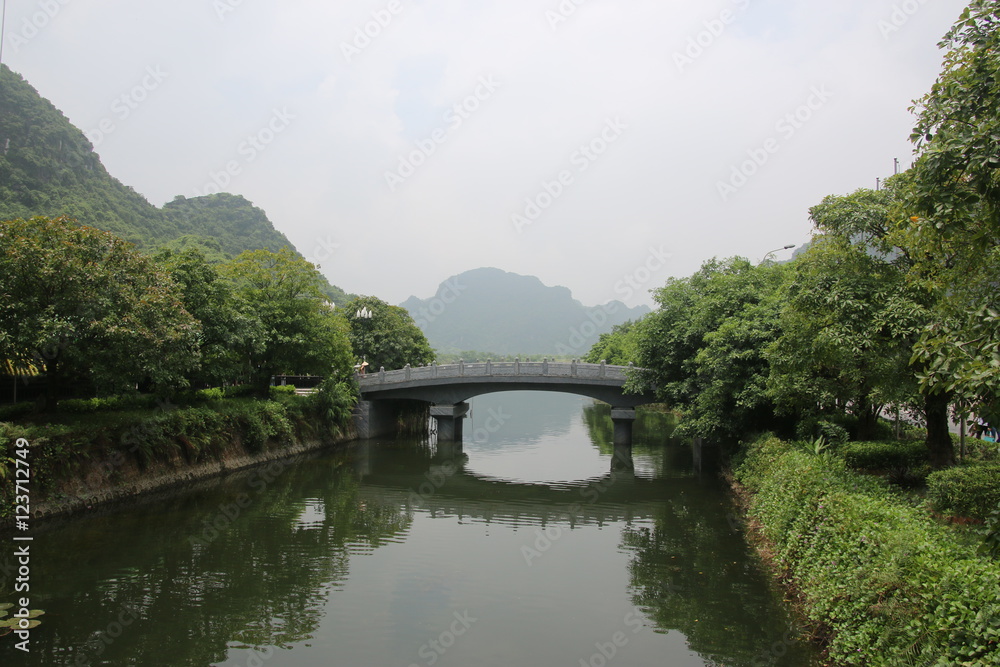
787 247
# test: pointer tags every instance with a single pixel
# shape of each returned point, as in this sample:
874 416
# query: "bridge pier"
374 419
449 420
623 419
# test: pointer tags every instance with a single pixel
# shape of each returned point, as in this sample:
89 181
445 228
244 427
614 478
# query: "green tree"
385 336
955 196
301 332
848 331
228 324
703 348
860 313
79 302
618 347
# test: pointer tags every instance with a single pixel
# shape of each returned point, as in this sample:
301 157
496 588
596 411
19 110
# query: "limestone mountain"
49 167
491 310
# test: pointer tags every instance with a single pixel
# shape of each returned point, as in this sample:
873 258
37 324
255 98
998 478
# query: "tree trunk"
867 423
867 418
53 384
939 445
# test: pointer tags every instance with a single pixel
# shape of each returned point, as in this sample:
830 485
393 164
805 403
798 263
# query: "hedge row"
892 586
884 455
968 491
198 433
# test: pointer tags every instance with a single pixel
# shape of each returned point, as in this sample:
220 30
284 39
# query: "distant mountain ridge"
492 310
48 167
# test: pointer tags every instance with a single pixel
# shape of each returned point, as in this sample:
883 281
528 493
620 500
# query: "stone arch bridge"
446 389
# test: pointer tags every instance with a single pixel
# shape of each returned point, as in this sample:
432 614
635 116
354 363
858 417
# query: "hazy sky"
597 144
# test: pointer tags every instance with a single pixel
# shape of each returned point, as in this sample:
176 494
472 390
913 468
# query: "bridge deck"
497 369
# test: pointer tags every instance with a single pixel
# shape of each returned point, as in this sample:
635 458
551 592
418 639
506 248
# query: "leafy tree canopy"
385 336
301 332
953 212
80 302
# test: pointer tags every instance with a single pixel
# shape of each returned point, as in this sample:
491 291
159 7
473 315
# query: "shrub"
239 390
892 585
123 402
276 393
16 410
969 491
838 428
258 422
334 403
884 455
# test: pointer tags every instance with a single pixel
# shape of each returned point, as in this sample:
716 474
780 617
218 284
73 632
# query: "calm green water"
522 548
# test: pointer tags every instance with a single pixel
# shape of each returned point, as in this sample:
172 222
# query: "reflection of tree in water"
690 573
262 580
651 431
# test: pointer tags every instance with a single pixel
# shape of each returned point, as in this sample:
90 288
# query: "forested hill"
49 167
491 310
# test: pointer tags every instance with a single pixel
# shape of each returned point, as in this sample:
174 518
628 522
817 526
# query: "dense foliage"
385 336
201 426
883 455
967 491
703 349
301 332
618 347
79 303
952 219
890 585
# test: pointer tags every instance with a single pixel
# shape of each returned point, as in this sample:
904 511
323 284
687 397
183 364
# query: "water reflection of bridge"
444 488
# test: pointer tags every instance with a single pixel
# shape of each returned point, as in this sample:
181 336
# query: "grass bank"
94 453
879 579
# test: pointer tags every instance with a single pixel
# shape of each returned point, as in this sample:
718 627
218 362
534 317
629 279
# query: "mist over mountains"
491 310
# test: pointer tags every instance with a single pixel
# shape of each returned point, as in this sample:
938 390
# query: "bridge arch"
446 389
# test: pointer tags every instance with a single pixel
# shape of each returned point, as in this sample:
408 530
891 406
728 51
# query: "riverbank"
879 581
97 460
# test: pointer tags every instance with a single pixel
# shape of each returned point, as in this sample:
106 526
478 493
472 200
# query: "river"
520 548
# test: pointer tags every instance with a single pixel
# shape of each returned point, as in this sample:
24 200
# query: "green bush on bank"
893 587
197 433
971 491
884 455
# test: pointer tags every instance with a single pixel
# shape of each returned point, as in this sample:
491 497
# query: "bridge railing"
496 369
